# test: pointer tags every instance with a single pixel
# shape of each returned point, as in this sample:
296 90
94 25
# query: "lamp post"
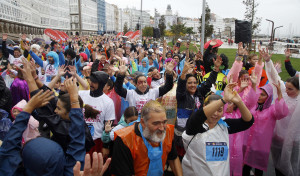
203 25
275 30
272 29
141 30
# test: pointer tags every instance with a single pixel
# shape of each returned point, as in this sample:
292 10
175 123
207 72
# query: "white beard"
153 137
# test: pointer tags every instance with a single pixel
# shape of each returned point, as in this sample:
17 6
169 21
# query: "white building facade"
132 17
170 18
37 14
83 15
191 22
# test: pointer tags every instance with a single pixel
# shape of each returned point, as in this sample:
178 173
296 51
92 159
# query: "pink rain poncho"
286 142
31 131
257 139
236 140
234 76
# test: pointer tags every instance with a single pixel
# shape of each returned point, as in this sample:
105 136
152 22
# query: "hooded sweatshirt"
143 69
257 139
31 131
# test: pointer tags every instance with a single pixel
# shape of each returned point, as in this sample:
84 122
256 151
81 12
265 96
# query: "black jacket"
162 89
289 68
207 57
185 101
5 97
58 126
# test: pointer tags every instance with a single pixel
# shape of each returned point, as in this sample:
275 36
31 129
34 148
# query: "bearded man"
144 148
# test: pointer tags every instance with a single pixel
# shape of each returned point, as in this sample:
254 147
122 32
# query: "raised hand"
71 87
62 70
26 46
187 66
97 169
26 70
33 68
277 66
72 70
123 68
287 53
4 37
38 100
244 84
279 93
170 66
265 55
230 94
253 78
108 127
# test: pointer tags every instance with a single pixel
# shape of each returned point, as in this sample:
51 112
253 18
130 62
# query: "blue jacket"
42 156
5 124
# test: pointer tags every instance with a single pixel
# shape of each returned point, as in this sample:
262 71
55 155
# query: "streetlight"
203 25
141 30
275 30
272 29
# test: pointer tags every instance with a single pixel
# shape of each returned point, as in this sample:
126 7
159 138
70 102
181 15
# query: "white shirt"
134 99
157 83
107 112
50 71
16 61
204 153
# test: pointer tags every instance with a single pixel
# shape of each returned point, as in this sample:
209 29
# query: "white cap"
179 40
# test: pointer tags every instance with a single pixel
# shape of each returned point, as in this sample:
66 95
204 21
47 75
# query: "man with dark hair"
96 99
13 59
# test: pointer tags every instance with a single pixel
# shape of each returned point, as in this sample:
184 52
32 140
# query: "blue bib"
216 151
154 155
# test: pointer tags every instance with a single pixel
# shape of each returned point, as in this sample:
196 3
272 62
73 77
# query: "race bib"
216 151
91 127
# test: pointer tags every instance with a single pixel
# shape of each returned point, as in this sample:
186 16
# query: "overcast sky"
282 12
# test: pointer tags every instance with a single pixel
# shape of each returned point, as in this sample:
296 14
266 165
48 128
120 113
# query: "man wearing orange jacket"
144 148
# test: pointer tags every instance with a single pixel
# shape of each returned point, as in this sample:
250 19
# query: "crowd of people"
108 105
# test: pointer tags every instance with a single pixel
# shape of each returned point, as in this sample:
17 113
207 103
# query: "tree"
162 25
208 31
148 31
250 15
125 28
189 30
178 30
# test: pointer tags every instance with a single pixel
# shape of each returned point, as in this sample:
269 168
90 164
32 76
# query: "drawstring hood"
101 78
